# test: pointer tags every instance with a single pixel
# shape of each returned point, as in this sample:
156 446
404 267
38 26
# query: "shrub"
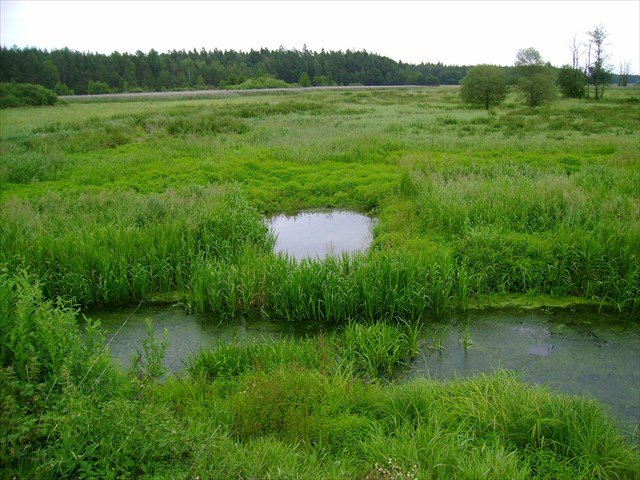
62 89
25 95
261 81
572 82
96 88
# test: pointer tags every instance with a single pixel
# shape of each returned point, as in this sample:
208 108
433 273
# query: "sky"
453 32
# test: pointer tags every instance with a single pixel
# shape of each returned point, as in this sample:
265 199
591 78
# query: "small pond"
581 352
320 233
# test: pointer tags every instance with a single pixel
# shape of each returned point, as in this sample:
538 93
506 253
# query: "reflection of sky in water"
579 353
321 233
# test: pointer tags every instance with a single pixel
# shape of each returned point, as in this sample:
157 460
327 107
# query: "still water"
581 352
318 234
125 330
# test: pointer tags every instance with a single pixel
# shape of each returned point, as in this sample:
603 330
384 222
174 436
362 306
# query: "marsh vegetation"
126 202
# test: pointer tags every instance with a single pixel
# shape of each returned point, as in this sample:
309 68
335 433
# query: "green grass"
279 410
518 201
118 202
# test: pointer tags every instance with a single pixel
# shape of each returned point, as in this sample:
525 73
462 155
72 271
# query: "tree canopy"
536 79
484 85
182 69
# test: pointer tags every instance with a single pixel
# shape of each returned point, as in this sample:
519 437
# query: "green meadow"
120 202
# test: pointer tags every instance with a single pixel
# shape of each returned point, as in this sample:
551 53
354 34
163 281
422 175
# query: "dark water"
187 333
582 352
317 234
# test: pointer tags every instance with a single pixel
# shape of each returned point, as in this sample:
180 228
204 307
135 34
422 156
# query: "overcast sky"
454 32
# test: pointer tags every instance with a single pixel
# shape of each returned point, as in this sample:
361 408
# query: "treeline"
69 71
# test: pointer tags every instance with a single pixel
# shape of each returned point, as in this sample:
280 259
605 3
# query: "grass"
114 202
283 410
537 202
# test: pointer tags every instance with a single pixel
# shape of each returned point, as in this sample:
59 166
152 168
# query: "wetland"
284 362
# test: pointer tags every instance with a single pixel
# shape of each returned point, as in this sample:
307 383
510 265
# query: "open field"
111 202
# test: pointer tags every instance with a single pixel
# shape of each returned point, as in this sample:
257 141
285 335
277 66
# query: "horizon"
458 33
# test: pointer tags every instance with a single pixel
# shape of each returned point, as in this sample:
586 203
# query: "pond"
582 352
320 233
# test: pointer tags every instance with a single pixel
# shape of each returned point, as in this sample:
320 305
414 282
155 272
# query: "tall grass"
379 286
115 247
279 410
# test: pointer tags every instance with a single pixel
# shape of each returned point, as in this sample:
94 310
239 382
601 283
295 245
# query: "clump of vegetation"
259 82
484 85
25 95
572 82
536 81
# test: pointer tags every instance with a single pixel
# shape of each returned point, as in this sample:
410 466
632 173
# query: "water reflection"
318 234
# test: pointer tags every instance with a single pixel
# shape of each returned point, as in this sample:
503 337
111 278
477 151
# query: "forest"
70 71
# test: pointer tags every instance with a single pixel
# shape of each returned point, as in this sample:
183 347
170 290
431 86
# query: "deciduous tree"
535 77
484 85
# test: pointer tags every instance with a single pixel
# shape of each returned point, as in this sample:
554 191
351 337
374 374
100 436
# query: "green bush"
97 88
261 81
62 89
25 95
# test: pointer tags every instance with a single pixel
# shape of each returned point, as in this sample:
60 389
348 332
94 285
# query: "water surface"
187 333
582 352
320 233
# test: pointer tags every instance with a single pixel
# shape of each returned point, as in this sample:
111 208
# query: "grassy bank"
319 408
116 202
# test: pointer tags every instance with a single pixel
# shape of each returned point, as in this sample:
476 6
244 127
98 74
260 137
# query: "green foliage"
374 350
536 80
119 246
384 285
231 360
97 87
112 207
572 82
39 338
25 95
62 89
261 81
304 80
119 201
180 69
146 364
293 414
484 85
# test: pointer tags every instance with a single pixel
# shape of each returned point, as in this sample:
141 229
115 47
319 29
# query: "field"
109 202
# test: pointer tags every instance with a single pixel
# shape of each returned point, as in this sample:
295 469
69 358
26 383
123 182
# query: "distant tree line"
67 71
